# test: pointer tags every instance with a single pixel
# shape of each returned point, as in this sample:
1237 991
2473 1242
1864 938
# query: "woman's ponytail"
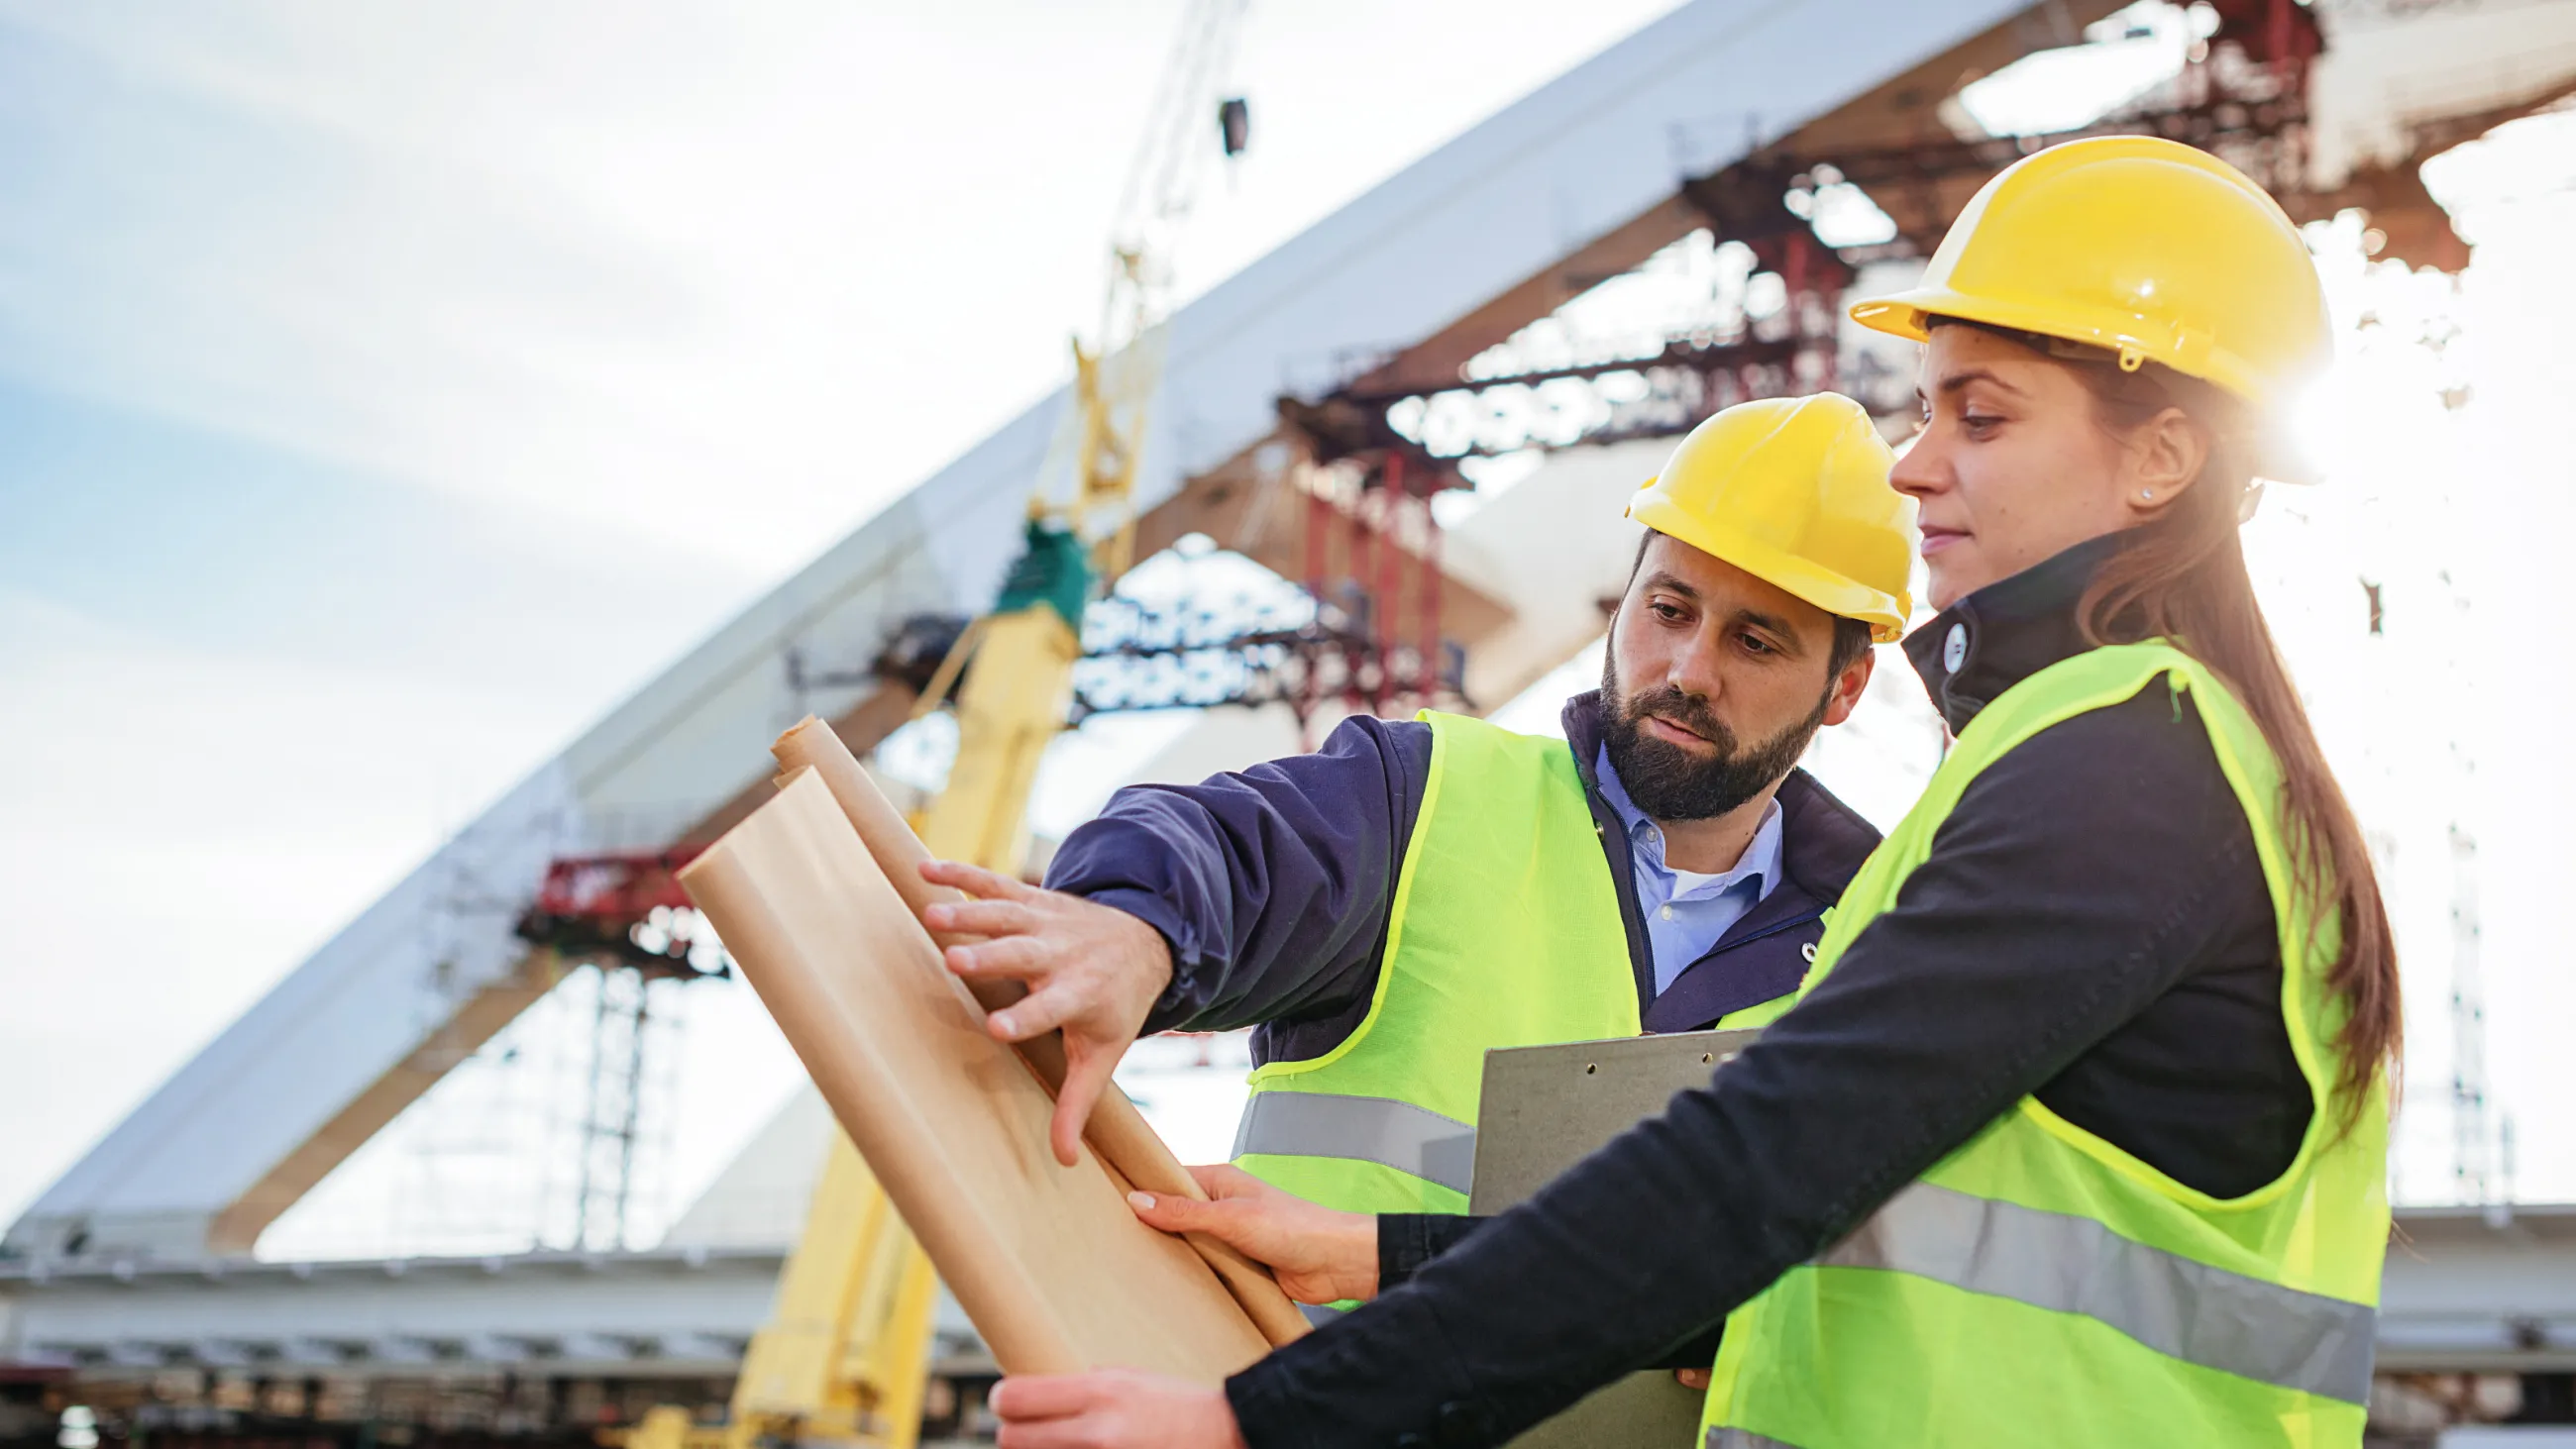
2184 578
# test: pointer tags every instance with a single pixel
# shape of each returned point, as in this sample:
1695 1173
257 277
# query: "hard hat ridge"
1794 491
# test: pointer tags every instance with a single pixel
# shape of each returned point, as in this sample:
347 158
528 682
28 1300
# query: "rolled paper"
1117 1131
1047 1260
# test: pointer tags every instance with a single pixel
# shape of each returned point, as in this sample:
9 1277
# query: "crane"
1081 523
845 1354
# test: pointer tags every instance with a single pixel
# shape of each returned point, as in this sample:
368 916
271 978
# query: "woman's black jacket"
2092 926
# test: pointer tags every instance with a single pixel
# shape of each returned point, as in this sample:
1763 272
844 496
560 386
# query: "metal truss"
1292 649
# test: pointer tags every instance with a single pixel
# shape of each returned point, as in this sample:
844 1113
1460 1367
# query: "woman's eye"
1980 424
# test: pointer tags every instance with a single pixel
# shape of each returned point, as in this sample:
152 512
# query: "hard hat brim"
1819 586
1909 314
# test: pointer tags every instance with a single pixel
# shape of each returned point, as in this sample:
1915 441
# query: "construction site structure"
1309 414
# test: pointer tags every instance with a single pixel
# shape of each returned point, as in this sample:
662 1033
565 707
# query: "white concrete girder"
547 1313
2477 1289
219 1352
398 1348
596 1347
725 1349
500 1348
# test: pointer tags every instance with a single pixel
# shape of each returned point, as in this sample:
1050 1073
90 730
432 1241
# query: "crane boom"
1082 518
844 1356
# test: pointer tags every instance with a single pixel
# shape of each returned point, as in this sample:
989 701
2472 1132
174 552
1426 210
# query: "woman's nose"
1919 470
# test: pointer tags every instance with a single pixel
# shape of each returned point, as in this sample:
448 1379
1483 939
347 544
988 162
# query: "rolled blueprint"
1117 1131
1047 1260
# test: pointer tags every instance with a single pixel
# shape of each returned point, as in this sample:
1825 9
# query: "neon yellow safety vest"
2039 1287
1505 932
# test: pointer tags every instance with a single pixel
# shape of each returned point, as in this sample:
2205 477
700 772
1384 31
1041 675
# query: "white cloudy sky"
383 392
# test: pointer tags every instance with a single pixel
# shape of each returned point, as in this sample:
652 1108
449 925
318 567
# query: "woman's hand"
1320 1255
1113 1409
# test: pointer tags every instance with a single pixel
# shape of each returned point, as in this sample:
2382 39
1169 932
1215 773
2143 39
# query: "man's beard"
1669 781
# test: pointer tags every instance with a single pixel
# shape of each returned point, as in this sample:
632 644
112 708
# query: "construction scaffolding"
618 924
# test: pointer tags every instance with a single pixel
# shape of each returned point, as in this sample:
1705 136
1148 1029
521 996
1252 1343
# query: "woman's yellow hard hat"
2149 249
1794 491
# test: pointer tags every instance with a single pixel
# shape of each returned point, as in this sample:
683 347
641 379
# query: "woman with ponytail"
2078 1132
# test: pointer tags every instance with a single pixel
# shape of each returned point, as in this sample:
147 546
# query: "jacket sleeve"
1272 885
2078 879
1408 1241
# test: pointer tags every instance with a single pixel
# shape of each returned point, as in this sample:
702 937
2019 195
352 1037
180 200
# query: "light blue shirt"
1687 912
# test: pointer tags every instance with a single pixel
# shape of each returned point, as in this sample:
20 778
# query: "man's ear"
1849 686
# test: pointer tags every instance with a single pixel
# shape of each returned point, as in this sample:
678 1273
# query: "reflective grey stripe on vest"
1319 1314
1722 1437
1371 1129
2182 1309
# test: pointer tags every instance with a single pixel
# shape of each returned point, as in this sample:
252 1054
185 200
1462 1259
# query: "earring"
2146 495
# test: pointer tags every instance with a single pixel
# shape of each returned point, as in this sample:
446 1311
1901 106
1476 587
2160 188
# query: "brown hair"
2183 577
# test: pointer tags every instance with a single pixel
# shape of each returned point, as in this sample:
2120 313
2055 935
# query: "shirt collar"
1760 862
1971 652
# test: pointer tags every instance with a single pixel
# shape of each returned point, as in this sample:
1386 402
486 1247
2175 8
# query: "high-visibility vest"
1505 932
2041 1287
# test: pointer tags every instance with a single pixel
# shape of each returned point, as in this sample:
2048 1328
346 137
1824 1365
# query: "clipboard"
1544 1109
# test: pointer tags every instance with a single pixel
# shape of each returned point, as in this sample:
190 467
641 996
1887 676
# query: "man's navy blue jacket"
1274 886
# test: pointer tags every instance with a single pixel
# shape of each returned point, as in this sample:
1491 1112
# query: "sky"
384 394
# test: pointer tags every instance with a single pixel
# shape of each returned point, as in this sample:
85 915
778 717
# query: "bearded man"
1416 893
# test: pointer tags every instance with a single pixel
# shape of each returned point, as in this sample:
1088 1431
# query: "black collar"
1581 719
2006 632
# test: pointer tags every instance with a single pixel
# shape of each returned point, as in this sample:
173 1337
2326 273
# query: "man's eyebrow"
1769 623
1662 580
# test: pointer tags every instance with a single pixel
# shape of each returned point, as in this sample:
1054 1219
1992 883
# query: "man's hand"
1320 1255
1092 970
1113 1409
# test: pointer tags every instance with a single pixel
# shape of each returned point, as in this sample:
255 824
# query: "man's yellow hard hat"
1794 491
2149 249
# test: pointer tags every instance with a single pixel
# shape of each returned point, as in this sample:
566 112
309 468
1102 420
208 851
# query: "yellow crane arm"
845 1355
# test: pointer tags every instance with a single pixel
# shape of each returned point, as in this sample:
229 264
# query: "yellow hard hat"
2149 249
1794 491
